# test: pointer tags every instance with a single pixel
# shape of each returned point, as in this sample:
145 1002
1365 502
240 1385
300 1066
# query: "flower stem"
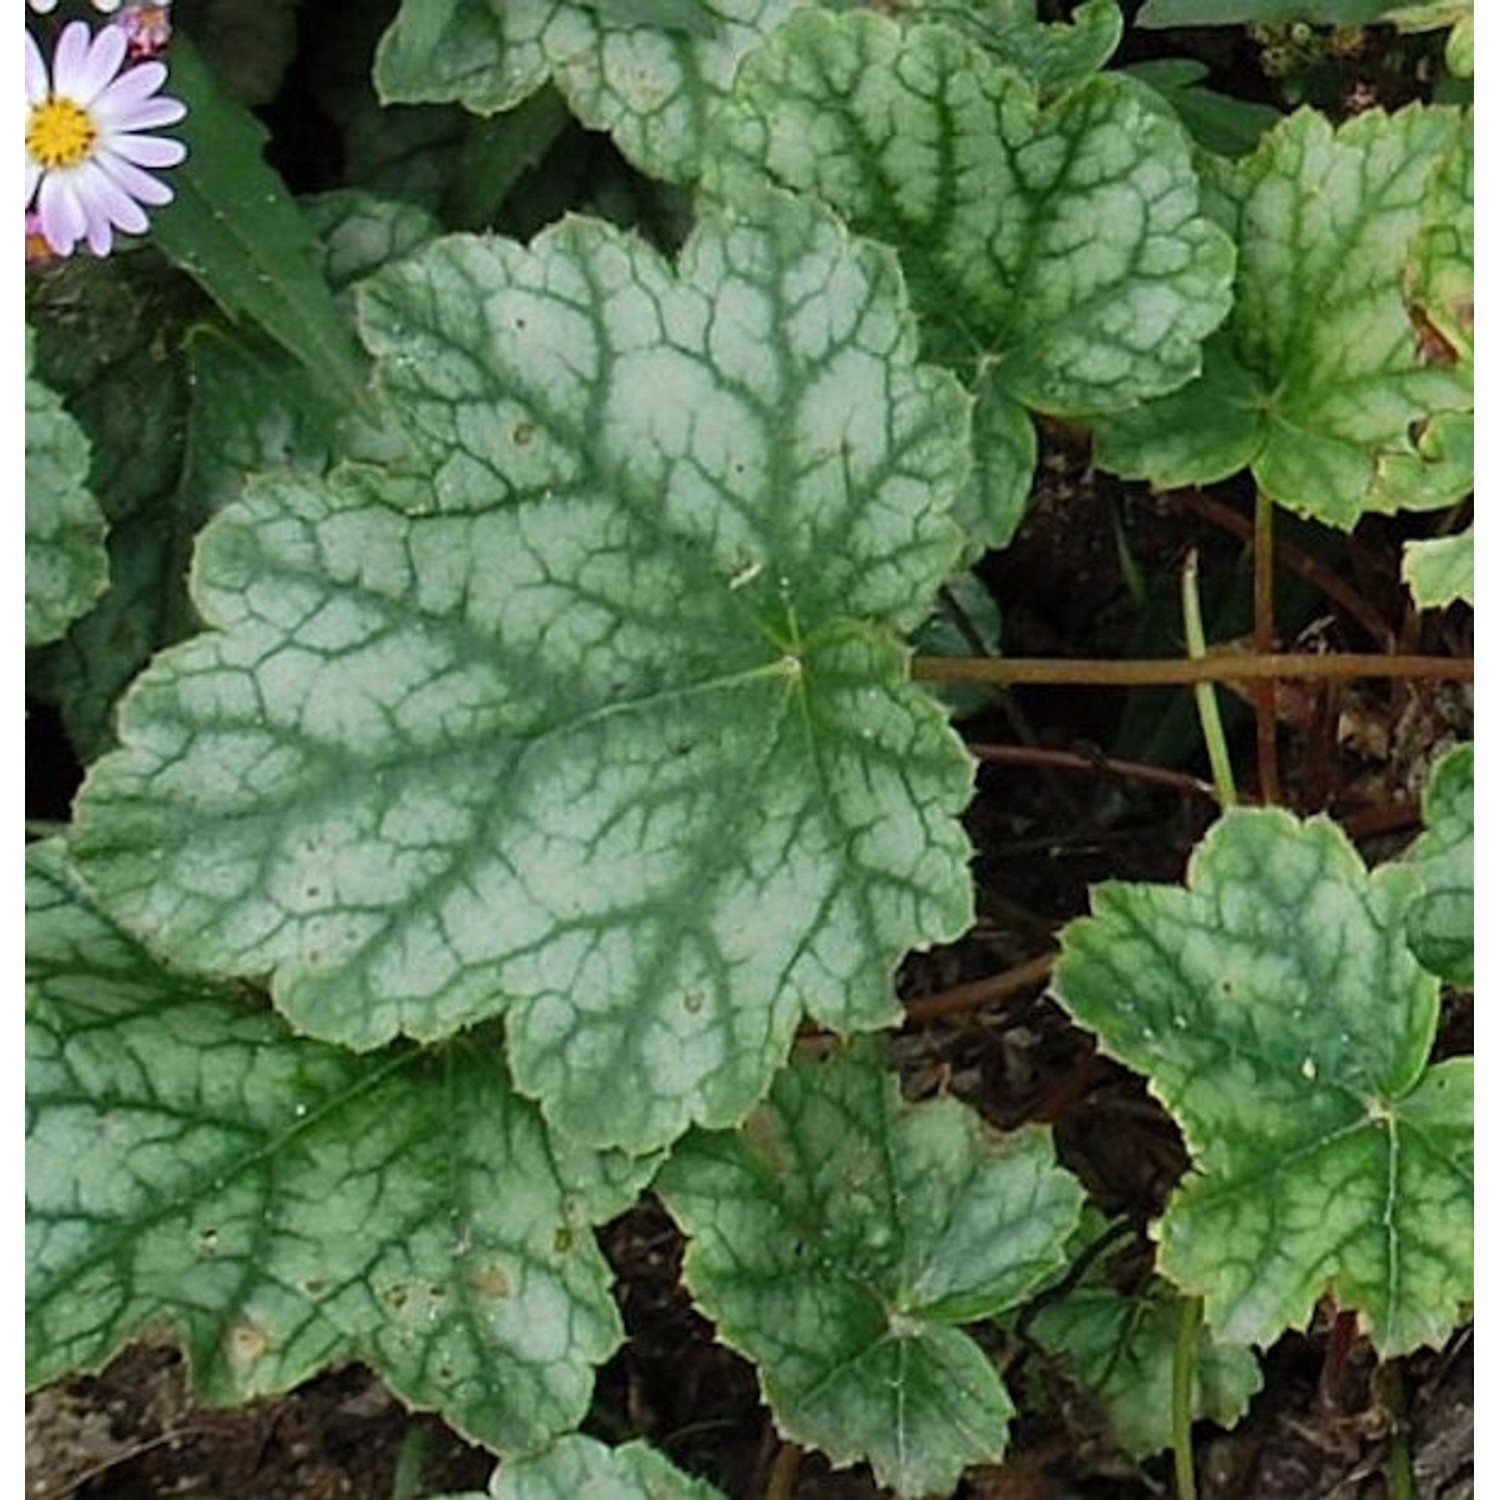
1203 692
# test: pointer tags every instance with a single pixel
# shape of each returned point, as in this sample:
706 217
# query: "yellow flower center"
60 133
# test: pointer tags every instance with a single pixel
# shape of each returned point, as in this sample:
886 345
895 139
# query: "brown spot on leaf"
491 1281
246 1344
1433 346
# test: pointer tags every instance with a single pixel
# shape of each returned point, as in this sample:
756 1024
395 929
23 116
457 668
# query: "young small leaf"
1440 570
281 1205
1122 1348
1057 253
67 567
235 228
1320 376
839 1238
1278 1013
1441 922
593 709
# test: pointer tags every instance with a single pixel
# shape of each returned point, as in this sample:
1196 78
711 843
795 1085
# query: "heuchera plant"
485 617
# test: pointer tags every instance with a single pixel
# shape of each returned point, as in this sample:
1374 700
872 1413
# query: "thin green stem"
1400 1481
1184 1377
1203 692
411 1459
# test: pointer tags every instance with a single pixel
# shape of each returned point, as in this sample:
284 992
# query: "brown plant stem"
1291 556
1373 822
978 993
1073 760
782 1483
1180 671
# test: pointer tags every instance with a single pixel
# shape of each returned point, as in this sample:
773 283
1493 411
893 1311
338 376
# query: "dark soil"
1327 1421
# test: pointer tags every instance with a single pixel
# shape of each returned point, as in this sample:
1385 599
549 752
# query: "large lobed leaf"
1279 1014
1057 252
1319 378
281 1205
593 711
840 1237
651 85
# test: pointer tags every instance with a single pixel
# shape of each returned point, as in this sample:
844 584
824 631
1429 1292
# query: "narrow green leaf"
839 1238
1440 923
1217 122
1440 571
592 709
249 44
1278 1013
1319 377
233 226
67 567
1057 253
280 1205
497 152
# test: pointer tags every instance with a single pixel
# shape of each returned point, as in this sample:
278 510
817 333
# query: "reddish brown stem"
1181 671
981 992
1072 760
1289 555
782 1483
1370 822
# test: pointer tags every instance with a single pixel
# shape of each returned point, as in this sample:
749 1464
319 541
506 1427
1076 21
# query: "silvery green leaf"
1278 1013
590 709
